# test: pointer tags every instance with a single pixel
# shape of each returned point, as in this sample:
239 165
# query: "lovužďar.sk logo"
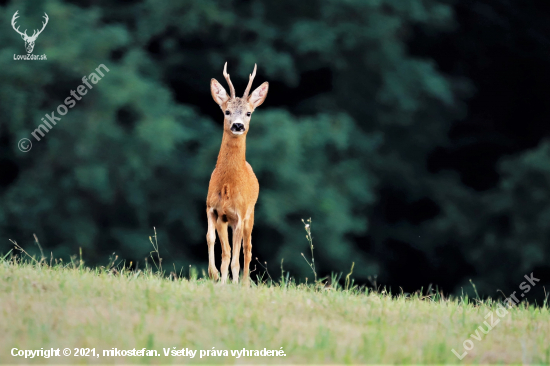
29 40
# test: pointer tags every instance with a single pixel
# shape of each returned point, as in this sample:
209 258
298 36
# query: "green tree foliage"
349 121
507 237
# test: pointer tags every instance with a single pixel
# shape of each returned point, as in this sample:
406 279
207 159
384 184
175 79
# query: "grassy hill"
45 306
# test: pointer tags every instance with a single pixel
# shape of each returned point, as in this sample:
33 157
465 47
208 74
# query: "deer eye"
227 113
248 114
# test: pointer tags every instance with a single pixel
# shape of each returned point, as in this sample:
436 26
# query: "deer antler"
226 76
43 26
15 16
250 80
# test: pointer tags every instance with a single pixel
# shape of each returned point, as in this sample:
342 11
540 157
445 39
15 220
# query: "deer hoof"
213 274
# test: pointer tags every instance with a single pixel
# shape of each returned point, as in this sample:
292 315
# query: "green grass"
71 306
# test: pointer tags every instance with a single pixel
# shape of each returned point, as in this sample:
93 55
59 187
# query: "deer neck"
232 152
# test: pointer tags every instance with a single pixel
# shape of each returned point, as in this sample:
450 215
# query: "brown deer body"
233 189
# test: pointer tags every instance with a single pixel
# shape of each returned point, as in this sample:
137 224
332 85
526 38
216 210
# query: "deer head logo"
29 41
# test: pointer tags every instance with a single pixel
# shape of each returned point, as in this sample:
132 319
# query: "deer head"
237 110
29 41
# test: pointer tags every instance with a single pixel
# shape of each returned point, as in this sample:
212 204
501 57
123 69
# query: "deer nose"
237 127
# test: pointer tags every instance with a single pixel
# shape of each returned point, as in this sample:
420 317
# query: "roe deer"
233 189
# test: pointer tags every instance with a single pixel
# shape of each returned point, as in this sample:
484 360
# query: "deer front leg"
237 240
221 228
211 241
247 248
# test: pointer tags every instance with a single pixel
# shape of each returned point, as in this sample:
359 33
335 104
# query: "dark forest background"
414 133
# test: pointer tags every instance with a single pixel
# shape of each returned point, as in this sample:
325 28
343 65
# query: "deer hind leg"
237 240
247 248
211 241
221 228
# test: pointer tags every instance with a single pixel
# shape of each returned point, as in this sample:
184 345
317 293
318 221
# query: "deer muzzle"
237 128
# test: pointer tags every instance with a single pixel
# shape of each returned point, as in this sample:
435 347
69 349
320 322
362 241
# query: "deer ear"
218 92
258 96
